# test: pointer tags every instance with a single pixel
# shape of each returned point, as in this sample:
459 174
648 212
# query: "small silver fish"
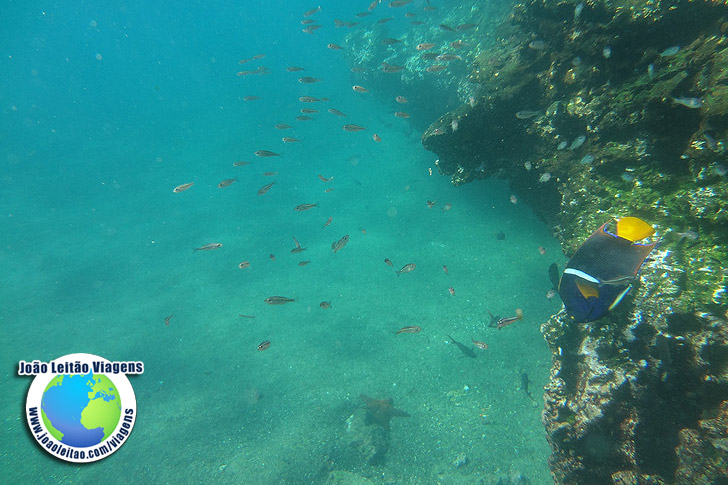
390 68
340 243
304 207
208 247
579 141
670 51
689 235
407 268
182 188
265 188
226 183
266 154
298 248
586 159
651 71
278 300
692 103
526 114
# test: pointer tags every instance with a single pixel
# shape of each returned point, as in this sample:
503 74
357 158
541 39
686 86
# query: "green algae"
649 160
621 75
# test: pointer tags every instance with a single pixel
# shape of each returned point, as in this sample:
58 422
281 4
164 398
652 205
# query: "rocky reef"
601 109
388 61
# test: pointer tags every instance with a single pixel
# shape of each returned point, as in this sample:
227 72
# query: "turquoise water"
104 112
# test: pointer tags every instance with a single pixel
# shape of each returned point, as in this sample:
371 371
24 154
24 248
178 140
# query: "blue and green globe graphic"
81 410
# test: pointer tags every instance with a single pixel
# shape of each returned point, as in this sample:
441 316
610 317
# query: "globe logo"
81 410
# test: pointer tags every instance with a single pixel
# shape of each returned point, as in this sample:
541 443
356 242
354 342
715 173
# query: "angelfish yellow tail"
633 229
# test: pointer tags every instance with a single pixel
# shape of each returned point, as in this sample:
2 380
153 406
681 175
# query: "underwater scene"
387 242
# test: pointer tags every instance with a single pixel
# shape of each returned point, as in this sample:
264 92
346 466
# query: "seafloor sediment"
597 110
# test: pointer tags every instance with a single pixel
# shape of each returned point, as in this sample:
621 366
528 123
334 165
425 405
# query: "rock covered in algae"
583 136
369 441
622 390
432 78
709 440
596 110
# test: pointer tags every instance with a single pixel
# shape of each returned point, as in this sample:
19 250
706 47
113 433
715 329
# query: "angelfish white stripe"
581 275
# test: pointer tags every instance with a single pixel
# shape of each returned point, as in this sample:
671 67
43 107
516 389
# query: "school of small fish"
438 53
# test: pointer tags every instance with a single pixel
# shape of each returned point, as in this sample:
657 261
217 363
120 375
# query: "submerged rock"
709 440
369 441
342 477
460 460
638 396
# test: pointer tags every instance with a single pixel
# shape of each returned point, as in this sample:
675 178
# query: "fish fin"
633 229
619 298
619 281
587 289
554 275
